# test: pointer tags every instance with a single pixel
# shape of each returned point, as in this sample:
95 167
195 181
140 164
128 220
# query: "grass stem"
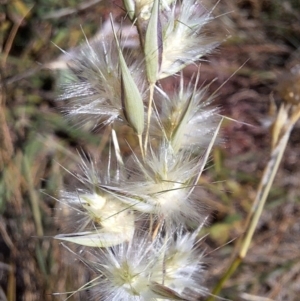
261 195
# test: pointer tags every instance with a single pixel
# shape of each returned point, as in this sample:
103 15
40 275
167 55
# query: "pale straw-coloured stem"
262 193
151 92
141 146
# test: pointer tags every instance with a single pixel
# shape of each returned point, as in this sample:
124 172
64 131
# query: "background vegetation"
261 45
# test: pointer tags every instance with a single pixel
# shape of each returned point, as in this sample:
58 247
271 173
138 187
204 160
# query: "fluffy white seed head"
124 271
147 269
183 264
185 119
92 89
163 185
161 262
92 216
96 220
182 42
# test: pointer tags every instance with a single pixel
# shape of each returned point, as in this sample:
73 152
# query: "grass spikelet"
165 191
182 26
93 87
185 118
93 216
145 269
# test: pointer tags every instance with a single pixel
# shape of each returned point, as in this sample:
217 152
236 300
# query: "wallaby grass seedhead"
143 216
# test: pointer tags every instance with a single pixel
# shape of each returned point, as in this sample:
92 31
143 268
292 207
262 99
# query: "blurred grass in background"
36 141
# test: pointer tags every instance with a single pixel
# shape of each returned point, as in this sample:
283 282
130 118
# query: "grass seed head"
97 221
94 88
163 185
92 214
185 119
183 42
147 269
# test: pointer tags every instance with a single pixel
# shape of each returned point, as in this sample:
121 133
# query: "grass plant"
141 212
133 146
